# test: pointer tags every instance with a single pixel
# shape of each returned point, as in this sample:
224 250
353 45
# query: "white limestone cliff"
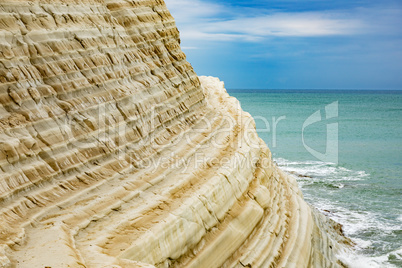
113 153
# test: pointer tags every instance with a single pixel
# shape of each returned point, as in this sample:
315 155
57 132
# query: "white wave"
340 185
353 222
317 169
355 219
283 161
354 260
362 244
396 253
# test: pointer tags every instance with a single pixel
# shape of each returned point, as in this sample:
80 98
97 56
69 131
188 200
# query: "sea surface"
345 150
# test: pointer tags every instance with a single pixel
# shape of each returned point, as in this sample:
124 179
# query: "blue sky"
294 44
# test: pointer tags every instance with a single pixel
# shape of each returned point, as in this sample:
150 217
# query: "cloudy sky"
294 44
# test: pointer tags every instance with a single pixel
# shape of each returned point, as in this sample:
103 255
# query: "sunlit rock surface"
113 152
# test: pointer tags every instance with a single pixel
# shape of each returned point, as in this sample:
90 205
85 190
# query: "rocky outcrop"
114 154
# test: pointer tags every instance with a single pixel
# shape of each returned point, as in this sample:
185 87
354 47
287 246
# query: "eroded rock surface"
114 154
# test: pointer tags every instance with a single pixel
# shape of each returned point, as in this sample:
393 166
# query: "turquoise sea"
354 174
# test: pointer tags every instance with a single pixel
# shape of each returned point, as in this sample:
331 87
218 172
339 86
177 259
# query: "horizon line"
319 89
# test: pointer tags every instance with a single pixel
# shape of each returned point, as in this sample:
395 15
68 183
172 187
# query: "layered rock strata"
114 154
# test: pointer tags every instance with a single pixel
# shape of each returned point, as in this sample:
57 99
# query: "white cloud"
202 20
285 24
193 10
189 48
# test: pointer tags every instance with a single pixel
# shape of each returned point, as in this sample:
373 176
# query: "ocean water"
345 150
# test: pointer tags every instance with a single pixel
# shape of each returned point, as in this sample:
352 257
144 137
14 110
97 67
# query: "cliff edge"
113 153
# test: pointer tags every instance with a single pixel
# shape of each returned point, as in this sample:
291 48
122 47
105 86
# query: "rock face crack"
114 153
